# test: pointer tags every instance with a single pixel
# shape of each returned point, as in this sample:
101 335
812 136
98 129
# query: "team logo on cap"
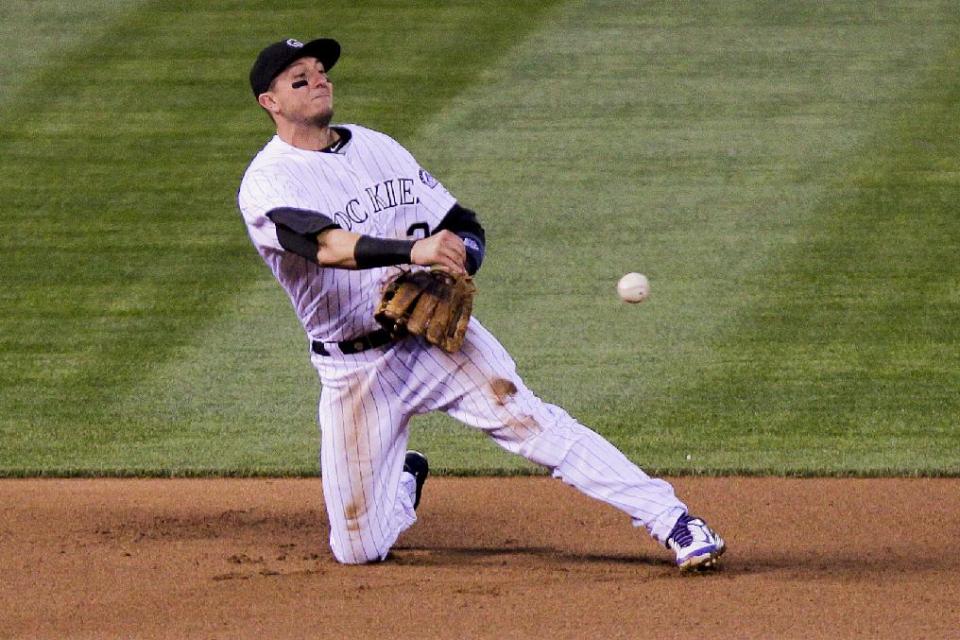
294 43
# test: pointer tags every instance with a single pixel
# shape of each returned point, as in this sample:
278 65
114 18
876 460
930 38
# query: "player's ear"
268 102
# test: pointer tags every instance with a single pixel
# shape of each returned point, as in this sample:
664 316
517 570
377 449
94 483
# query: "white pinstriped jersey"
370 185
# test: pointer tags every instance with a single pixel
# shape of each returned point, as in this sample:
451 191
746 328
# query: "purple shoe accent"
680 532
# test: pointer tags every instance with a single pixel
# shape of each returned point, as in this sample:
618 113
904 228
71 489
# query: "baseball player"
336 210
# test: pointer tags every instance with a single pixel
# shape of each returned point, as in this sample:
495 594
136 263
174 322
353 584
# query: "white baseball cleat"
697 546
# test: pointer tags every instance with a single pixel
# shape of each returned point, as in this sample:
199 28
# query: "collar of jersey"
338 146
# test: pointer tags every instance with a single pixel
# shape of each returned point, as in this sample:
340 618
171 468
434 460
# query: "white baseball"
633 288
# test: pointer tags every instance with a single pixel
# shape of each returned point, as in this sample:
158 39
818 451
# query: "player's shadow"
744 563
480 556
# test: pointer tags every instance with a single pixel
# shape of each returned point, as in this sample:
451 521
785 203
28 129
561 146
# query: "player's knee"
354 559
356 544
352 555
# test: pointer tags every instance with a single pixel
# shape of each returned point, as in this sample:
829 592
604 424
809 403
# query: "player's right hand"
443 249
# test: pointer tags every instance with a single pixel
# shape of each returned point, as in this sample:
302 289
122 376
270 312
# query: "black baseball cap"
280 55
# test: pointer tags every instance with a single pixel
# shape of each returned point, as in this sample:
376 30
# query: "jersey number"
418 226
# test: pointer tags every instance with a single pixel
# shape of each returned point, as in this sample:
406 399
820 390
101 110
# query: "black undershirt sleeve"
297 230
464 223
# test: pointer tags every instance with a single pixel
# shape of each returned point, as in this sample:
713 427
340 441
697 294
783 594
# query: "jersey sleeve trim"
297 230
301 220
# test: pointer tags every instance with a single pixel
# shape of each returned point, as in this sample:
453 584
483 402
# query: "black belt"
372 340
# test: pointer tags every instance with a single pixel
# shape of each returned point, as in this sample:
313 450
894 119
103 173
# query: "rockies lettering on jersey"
372 186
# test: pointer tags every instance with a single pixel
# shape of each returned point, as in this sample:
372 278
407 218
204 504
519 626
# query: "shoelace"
681 532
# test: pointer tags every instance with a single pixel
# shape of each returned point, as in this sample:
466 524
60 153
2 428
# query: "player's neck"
311 138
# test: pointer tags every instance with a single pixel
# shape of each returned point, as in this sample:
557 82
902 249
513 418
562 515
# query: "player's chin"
322 118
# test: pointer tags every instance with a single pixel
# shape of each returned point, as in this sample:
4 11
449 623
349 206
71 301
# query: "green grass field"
787 174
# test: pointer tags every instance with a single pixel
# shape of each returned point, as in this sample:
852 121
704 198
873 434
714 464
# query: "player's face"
303 93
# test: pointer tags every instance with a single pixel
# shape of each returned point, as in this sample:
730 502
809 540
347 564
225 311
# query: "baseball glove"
433 304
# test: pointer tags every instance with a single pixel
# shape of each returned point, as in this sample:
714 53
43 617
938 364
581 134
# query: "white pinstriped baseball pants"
368 398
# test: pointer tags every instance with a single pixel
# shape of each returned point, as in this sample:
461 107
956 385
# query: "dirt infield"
490 558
